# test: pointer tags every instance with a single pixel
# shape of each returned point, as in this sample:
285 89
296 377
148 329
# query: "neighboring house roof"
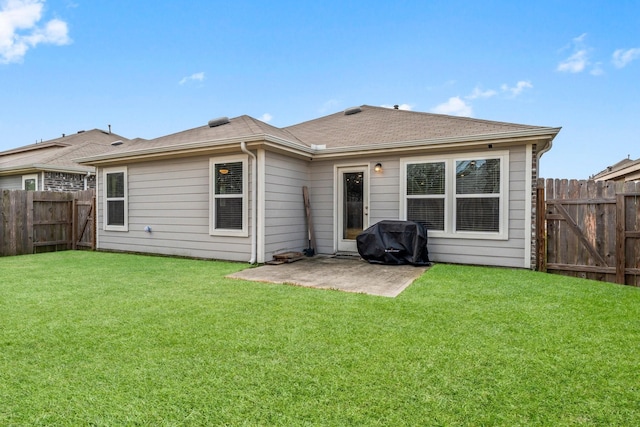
57 154
353 131
624 170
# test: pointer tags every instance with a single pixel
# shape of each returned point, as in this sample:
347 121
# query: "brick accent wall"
59 181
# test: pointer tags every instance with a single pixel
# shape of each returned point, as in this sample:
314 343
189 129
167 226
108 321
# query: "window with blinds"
458 196
426 194
478 195
229 194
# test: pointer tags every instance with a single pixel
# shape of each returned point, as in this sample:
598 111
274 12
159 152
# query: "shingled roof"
367 125
624 170
356 129
236 128
58 154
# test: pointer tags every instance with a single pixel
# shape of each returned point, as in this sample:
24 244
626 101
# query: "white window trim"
105 214
31 176
450 195
244 232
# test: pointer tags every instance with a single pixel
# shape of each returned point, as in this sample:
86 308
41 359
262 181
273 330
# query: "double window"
458 196
229 196
115 199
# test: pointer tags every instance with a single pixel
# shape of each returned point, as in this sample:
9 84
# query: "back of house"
232 189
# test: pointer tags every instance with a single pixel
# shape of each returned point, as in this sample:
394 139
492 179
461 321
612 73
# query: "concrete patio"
349 274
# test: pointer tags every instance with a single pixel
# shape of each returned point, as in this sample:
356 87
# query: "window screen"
426 194
229 196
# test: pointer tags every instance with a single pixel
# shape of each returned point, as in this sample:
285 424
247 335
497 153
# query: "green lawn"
111 339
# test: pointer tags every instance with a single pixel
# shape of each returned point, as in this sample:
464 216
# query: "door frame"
340 244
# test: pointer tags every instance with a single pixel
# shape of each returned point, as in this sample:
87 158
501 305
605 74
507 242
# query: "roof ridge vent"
352 110
218 122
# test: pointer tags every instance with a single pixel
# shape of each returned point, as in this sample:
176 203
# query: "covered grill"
394 242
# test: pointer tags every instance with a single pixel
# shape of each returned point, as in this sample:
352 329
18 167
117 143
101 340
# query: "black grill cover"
394 242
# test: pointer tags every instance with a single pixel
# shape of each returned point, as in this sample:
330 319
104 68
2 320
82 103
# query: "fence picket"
593 230
38 221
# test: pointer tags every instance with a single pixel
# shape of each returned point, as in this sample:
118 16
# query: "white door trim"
340 243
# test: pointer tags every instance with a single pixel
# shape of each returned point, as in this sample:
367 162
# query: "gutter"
468 141
544 150
318 151
622 172
206 145
254 196
38 167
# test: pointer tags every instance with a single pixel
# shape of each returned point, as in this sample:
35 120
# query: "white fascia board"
66 169
457 142
627 170
191 147
37 167
302 150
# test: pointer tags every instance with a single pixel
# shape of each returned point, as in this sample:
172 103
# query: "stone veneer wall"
59 181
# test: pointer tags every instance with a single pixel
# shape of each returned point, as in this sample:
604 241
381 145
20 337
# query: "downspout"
254 197
535 222
539 155
86 178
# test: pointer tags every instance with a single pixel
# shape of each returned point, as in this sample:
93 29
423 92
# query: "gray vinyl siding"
172 197
322 201
285 216
383 196
12 182
503 253
384 203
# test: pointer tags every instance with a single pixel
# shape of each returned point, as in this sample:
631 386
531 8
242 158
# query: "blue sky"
150 68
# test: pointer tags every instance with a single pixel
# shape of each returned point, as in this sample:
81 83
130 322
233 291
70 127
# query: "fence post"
94 224
30 231
620 239
74 223
541 229
4 222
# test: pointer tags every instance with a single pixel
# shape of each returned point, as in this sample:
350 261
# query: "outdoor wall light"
147 228
378 167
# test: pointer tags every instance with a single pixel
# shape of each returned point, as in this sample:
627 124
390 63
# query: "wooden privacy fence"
590 229
44 221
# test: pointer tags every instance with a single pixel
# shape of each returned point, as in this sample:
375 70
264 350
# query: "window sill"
467 235
116 228
229 233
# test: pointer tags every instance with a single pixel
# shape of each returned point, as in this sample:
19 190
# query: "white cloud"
579 59
406 107
462 106
19 29
518 88
455 106
479 93
622 57
266 117
576 63
192 78
580 38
